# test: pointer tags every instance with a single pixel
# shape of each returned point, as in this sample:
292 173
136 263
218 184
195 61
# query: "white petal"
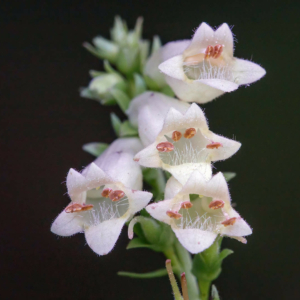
173 67
103 237
121 167
239 228
224 36
159 210
67 224
137 200
173 187
229 147
245 72
216 187
195 240
149 157
158 105
203 37
183 172
151 68
174 48
193 91
223 85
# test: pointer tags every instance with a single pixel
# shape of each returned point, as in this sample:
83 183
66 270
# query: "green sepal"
121 98
91 49
167 91
126 129
119 31
156 179
229 175
106 48
94 73
214 293
154 274
156 44
127 61
95 149
143 53
138 86
85 92
152 85
116 123
108 68
138 243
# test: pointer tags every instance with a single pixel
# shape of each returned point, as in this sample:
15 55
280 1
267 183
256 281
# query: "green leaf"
139 85
126 129
116 123
95 149
121 98
154 274
229 175
138 243
94 73
214 293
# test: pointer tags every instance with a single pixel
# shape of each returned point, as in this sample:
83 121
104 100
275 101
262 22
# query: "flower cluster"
164 137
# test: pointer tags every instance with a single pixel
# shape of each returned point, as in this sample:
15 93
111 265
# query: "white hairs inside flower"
207 70
188 150
103 207
200 216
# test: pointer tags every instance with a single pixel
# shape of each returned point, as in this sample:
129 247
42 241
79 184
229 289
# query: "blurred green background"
44 123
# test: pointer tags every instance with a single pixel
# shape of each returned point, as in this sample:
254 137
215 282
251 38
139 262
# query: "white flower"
148 111
103 197
185 144
205 68
199 211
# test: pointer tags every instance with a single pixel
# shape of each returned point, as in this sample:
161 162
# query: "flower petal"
103 237
67 224
173 187
173 67
203 37
223 85
195 240
137 200
239 228
149 157
224 36
172 49
193 91
245 72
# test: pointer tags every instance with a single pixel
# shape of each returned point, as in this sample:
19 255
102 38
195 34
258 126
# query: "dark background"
44 123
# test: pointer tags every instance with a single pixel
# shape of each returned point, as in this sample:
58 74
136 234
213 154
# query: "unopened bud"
174 215
116 195
165 147
176 136
229 222
105 193
216 204
189 133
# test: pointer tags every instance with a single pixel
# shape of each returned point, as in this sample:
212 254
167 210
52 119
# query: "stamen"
165 147
216 204
116 195
176 136
76 207
214 145
193 60
189 133
105 193
186 204
174 215
229 222
209 52
218 49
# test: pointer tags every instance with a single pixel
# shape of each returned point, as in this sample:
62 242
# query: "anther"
218 49
229 222
216 204
176 136
105 193
76 207
165 147
174 215
186 204
116 195
214 145
209 52
189 133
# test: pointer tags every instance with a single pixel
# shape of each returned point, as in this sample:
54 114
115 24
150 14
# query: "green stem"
186 263
204 289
